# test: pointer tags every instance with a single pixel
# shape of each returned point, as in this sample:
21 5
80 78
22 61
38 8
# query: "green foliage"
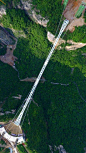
72 58
21 149
17 18
6 79
2 50
34 48
38 141
85 16
60 115
11 3
2 142
51 10
5 151
79 34
1 3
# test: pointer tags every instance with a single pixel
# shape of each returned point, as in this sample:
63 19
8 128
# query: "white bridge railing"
28 101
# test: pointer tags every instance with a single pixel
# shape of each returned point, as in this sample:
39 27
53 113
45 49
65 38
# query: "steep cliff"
33 13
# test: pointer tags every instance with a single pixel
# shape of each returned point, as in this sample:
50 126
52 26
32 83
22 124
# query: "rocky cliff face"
10 41
33 13
74 45
5 37
69 13
2 10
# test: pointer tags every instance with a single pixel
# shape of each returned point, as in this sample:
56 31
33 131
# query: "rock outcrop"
73 45
9 58
2 10
11 42
52 39
33 79
17 97
33 13
5 37
7 112
61 149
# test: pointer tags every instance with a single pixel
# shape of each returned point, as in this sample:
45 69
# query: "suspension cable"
25 114
59 22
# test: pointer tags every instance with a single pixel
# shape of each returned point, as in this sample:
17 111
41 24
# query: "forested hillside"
59 117
51 10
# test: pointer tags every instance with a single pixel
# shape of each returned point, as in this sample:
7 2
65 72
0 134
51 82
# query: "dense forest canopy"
9 3
17 18
59 118
85 16
78 35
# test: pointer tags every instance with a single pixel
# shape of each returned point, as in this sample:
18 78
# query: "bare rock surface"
52 39
5 37
2 10
71 9
33 13
11 42
33 79
17 97
76 22
85 149
84 54
72 70
73 45
61 149
9 58
19 33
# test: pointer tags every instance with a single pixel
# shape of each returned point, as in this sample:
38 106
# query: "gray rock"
84 54
61 149
33 13
7 112
73 45
1 109
2 10
1 114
